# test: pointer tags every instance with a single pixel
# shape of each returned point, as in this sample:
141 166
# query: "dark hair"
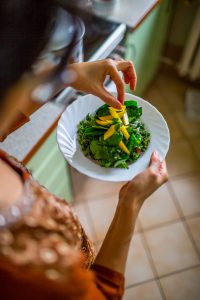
25 27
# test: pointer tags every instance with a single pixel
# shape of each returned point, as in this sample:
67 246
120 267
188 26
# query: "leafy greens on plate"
114 138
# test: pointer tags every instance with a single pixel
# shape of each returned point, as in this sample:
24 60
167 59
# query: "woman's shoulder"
11 186
43 227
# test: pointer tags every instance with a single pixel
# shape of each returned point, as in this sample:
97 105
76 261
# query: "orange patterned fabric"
45 253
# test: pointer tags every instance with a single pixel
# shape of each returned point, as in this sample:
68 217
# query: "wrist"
131 206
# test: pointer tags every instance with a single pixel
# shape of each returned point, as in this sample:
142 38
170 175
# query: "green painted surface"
145 45
50 168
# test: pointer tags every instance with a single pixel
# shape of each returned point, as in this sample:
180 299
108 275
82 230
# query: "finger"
133 84
154 161
131 73
115 76
132 81
163 171
108 98
126 78
127 68
123 65
128 71
163 167
133 77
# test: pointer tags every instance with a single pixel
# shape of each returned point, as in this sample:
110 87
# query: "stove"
97 30
100 41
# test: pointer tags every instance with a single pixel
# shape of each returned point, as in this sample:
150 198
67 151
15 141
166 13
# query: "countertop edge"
122 14
26 140
143 17
39 143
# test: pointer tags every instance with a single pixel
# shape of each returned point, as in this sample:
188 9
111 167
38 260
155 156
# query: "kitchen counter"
132 12
20 142
129 12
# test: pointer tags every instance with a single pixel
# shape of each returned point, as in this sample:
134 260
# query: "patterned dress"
41 237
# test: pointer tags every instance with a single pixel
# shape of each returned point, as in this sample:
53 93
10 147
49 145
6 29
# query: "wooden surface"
40 142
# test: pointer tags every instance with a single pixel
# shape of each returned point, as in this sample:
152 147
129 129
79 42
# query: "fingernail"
118 105
155 154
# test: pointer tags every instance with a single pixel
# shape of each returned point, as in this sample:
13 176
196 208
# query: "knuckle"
166 177
153 175
109 62
130 63
121 88
120 83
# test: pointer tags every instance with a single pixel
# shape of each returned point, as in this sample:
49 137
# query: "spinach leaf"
134 113
129 103
115 139
100 151
102 111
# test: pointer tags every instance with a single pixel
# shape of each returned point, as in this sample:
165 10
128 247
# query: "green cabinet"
50 168
145 45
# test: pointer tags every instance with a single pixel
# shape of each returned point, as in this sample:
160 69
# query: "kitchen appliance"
60 40
104 7
101 40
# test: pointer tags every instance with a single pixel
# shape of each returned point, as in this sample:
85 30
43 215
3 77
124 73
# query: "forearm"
114 251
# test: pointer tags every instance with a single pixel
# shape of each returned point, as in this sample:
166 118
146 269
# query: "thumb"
108 98
154 161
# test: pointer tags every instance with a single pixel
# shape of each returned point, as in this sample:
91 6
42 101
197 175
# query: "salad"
114 138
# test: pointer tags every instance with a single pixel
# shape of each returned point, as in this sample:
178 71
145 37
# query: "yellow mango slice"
123 147
105 118
109 132
110 117
103 123
125 132
113 113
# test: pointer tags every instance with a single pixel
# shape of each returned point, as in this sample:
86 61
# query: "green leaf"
115 139
100 127
103 111
121 163
100 151
129 103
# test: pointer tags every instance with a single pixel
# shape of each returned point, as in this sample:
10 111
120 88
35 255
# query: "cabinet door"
145 45
50 168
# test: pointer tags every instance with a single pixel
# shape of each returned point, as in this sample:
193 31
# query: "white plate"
77 111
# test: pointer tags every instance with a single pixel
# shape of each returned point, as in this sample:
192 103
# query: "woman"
44 252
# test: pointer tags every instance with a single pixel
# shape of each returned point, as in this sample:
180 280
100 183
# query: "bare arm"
114 251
